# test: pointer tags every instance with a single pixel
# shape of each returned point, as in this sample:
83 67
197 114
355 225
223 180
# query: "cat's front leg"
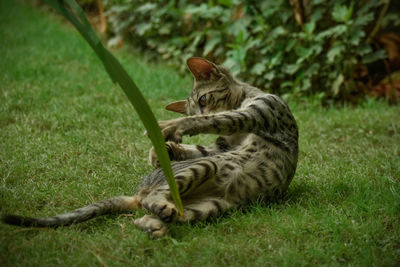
180 152
173 130
223 123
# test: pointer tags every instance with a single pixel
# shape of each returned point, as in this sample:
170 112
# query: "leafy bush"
272 44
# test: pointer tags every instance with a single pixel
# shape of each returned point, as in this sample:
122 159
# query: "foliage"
118 75
261 40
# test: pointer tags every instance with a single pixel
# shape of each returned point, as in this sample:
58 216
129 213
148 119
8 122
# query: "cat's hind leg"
159 203
198 210
196 183
205 208
189 175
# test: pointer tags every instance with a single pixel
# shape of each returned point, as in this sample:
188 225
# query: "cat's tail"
119 204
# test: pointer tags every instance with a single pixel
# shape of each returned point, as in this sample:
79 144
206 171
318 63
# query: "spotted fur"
254 157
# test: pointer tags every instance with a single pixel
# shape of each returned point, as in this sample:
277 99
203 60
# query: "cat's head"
214 89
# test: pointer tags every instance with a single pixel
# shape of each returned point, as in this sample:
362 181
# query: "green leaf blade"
118 75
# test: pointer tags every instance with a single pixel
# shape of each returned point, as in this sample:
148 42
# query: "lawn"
69 137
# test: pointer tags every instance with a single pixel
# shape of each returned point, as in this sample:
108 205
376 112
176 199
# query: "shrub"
291 48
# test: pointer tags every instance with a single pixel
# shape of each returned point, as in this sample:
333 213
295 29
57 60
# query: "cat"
254 157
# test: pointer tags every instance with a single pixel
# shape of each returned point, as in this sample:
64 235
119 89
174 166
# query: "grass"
69 137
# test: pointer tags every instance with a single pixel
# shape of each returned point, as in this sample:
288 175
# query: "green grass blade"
120 76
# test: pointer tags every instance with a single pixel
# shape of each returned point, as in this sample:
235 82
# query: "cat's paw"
172 130
165 210
153 158
152 225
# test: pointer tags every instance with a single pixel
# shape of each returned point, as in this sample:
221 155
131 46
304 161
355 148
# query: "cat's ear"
178 106
203 69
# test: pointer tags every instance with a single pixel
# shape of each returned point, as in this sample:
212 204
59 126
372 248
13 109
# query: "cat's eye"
202 101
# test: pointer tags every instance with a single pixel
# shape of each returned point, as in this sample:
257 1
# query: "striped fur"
254 157
109 206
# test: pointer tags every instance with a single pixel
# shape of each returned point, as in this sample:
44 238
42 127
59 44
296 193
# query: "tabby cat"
254 157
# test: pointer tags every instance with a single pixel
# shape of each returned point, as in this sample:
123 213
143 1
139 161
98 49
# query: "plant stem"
378 23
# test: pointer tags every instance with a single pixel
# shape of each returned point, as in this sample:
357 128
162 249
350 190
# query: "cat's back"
276 124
